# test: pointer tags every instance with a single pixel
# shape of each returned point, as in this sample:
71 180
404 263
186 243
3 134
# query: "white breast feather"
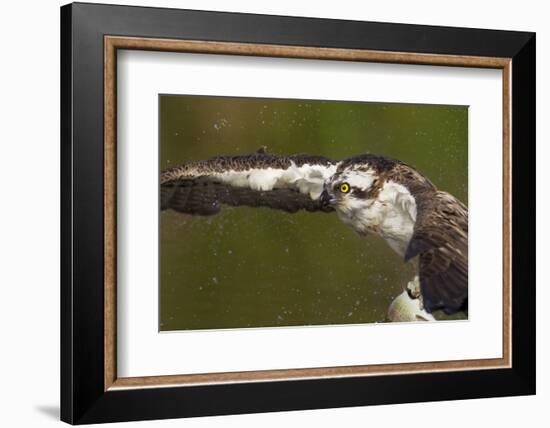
397 215
391 215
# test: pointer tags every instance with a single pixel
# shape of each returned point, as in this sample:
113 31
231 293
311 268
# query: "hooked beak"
325 199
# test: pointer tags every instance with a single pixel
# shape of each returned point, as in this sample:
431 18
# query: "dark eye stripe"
360 193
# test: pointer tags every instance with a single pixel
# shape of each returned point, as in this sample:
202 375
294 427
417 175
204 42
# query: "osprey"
372 194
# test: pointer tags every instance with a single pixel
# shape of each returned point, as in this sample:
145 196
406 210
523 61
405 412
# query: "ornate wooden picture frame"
91 389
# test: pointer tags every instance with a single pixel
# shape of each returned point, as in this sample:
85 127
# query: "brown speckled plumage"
440 241
191 188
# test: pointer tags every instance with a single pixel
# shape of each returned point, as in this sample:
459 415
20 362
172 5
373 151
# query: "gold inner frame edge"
113 43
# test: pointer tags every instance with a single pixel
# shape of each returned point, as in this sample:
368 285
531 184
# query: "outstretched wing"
440 240
288 183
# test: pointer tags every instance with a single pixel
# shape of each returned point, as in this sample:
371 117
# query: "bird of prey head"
372 194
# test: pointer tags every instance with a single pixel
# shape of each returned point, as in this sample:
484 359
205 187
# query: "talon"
413 288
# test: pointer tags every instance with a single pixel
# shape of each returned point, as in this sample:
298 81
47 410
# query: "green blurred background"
256 267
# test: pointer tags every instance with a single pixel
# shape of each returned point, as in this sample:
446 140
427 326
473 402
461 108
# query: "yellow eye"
344 187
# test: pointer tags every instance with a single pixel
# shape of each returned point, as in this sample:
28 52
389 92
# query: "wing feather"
440 240
287 183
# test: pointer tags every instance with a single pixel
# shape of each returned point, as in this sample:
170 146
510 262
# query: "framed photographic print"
265 213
